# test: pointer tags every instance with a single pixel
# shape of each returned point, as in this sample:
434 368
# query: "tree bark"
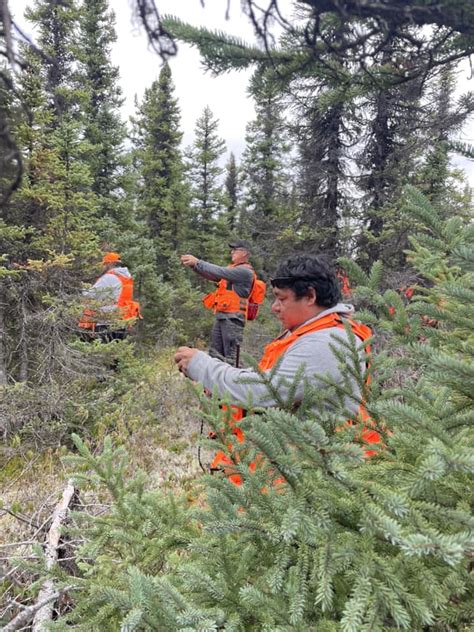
22 619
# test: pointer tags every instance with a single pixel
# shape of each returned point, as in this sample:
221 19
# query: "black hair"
302 272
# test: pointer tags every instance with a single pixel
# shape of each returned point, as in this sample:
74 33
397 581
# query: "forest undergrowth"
147 407
129 393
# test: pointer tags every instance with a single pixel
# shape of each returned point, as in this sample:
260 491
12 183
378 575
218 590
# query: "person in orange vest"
345 285
229 301
114 310
307 299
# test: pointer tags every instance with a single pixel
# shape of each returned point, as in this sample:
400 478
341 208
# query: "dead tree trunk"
44 614
3 360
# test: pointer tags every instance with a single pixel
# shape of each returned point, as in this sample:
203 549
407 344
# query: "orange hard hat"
110 257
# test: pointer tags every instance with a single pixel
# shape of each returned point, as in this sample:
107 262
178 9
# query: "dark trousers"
226 335
104 334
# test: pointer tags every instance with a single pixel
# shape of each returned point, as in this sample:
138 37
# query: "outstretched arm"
239 275
312 351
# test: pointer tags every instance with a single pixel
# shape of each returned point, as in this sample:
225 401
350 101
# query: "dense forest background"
356 114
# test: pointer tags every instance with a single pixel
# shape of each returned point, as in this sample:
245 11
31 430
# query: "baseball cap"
241 243
110 257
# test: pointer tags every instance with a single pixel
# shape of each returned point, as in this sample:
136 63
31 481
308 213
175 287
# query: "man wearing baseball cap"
229 301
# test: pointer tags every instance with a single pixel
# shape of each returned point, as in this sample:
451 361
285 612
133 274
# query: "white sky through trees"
140 66
226 95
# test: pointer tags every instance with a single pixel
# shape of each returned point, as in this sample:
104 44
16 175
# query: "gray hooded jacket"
312 351
106 290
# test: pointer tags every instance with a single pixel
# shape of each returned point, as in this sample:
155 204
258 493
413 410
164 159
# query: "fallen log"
47 594
25 616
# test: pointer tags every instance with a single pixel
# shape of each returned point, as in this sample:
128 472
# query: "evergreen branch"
464 149
220 51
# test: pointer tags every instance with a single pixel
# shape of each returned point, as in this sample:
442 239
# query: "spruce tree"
446 117
162 191
103 128
388 158
56 197
163 228
58 36
232 192
410 125
207 198
321 171
264 178
323 102
11 166
54 203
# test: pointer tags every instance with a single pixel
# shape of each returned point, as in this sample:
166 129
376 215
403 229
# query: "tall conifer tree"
55 202
322 100
57 186
103 128
264 178
321 171
391 148
58 28
446 115
162 199
207 197
232 191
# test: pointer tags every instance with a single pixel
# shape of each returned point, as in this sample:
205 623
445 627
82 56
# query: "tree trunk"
3 360
23 372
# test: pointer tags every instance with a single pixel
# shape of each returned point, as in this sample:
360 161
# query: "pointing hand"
189 260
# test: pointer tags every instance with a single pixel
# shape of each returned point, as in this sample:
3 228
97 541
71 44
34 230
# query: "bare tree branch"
158 37
19 517
28 613
6 22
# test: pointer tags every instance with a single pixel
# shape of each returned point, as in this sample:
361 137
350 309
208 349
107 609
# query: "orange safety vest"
271 354
345 286
225 299
128 308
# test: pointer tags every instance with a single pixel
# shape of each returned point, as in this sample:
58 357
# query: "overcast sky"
139 66
226 95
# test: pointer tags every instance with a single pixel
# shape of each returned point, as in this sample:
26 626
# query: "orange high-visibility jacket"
345 286
272 353
126 304
129 308
225 299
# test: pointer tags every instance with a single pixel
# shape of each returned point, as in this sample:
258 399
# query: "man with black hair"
306 302
229 301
